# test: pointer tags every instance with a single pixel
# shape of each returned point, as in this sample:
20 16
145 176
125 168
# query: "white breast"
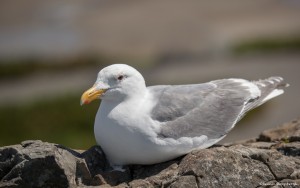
122 135
130 138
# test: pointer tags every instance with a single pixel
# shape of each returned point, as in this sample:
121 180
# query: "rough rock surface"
271 160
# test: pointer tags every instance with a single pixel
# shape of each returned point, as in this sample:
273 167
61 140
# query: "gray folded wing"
209 109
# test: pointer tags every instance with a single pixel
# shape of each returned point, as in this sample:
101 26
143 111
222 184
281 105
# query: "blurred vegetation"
16 68
268 45
61 120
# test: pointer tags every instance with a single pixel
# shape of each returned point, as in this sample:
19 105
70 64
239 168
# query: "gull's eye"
121 77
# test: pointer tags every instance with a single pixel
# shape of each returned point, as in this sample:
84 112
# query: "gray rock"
288 132
185 181
272 160
225 167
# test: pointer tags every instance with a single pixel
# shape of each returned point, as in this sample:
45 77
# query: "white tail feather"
273 94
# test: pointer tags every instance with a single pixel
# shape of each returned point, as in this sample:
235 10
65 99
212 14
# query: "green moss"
60 120
268 45
285 140
15 68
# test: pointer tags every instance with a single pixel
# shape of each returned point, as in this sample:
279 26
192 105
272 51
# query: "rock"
288 132
185 181
271 160
42 164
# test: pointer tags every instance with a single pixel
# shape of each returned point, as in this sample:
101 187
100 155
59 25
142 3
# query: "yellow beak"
91 94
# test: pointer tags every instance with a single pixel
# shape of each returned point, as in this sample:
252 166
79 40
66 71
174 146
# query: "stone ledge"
273 159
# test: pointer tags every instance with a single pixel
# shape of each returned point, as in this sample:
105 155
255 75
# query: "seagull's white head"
115 82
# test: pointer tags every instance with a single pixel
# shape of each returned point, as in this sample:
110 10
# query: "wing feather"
209 109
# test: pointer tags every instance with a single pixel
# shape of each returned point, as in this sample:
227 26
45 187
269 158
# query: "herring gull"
136 124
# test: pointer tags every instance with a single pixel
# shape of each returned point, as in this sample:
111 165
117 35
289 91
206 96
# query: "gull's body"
134 140
136 124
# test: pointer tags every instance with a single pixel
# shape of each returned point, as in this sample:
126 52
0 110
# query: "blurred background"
51 51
